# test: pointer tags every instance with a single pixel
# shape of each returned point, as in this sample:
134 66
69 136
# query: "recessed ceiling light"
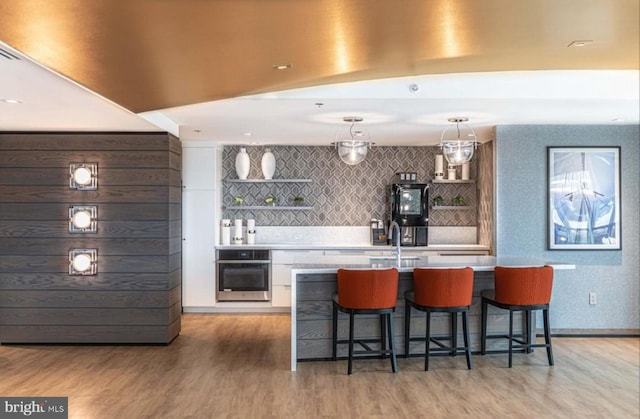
12 101
578 44
282 66
247 134
197 131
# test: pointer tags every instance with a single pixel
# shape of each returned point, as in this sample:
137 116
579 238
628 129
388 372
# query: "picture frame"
583 186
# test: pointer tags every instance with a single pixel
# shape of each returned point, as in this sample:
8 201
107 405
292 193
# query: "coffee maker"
410 209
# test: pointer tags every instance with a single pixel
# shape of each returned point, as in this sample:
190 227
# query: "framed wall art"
584 198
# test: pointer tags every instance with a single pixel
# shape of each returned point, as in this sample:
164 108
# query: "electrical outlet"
593 298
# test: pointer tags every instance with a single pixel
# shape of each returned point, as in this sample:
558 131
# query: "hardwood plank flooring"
237 366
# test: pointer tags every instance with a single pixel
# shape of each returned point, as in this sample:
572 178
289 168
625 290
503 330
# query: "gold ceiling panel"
154 54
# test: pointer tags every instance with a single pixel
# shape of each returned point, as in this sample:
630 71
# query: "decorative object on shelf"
268 164
439 172
251 231
226 232
457 201
354 149
83 176
237 231
243 163
438 201
239 200
83 219
270 200
459 150
451 172
297 201
465 171
83 261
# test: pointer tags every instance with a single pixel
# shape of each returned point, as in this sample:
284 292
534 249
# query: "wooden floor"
237 366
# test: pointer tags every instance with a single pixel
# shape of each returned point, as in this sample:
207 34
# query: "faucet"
394 226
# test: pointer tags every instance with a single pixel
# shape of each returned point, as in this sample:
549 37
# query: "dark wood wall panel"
136 295
101 281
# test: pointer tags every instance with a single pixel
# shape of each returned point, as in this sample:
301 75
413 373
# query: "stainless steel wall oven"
243 275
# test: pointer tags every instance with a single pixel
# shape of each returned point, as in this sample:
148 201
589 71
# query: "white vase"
465 171
242 163
268 164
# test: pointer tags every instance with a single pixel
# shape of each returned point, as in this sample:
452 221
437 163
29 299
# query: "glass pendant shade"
353 149
459 150
352 152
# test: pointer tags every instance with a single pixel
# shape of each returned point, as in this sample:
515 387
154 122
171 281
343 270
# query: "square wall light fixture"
83 176
83 219
83 261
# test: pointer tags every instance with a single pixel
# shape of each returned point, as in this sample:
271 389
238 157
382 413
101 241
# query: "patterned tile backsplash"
339 194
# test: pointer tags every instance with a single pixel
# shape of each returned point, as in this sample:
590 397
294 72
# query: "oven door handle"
263 262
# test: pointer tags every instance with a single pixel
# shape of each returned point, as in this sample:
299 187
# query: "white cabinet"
281 262
199 227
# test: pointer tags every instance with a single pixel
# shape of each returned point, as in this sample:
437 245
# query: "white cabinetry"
199 229
281 262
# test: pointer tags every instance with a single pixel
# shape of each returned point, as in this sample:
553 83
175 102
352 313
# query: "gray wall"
521 224
341 195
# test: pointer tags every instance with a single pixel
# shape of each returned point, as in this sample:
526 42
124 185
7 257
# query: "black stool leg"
407 328
483 333
427 342
394 364
454 333
547 335
528 329
465 332
334 336
351 321
383 335
510 336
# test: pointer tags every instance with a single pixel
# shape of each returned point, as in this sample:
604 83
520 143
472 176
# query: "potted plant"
458 200
239 200
270 200
297 201
438 201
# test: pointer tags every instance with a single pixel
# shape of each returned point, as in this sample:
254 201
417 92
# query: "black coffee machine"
410 209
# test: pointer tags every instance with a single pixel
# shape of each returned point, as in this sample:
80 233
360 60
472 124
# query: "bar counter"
313 285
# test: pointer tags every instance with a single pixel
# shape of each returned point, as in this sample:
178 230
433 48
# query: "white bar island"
313 285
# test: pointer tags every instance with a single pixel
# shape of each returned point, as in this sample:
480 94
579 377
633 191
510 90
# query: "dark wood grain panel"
85 316
106 211
107 246
102 281
89 334
105 159
106 229
104 194
90 141
175 146
84 299
138 239
59 176
107 264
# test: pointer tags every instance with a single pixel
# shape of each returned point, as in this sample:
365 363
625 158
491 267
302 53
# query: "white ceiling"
394 114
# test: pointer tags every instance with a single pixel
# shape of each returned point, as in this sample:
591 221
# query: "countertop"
407 264
363 247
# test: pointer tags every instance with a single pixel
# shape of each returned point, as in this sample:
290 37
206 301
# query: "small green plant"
239 200
298 200
458 200
438 200
270 200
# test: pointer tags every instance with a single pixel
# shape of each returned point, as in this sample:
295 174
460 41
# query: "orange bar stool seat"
362 292
440 291
519 290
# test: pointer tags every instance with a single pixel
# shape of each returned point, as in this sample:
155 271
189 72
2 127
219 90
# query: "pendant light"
354 149
459 150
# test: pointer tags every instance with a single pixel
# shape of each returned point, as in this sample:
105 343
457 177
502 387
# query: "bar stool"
440 291
522 290
366 291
